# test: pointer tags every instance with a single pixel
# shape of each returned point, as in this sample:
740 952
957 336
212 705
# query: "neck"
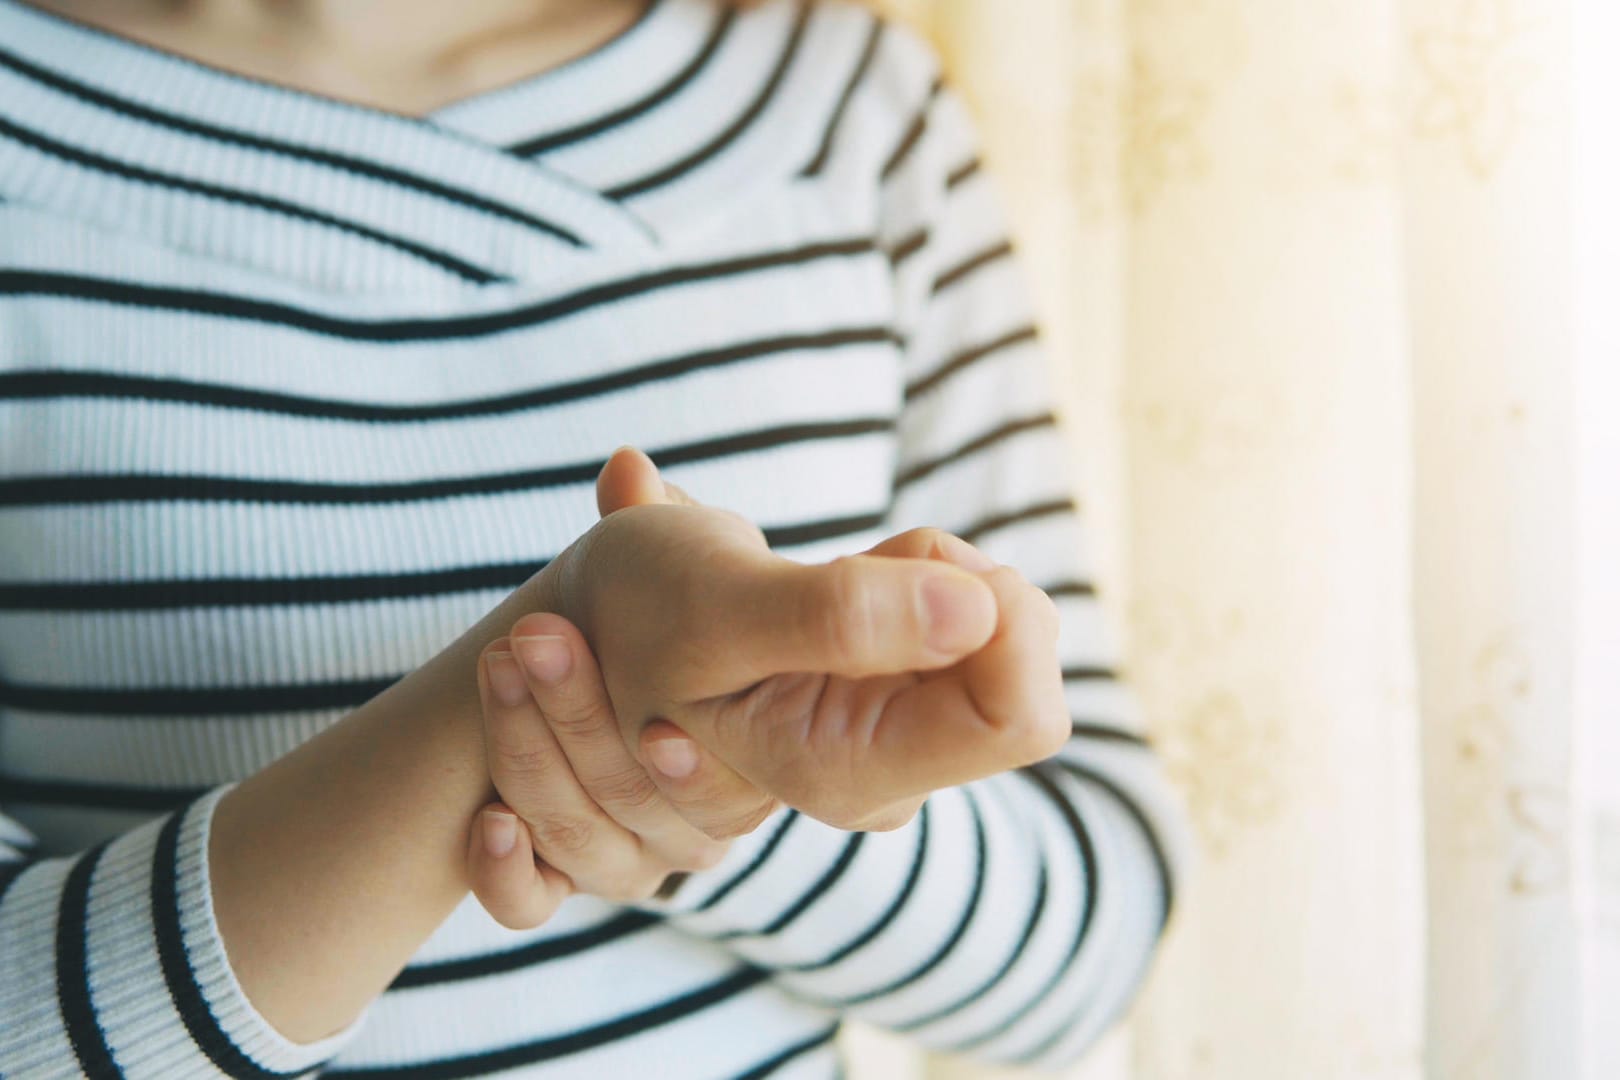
393 32
408 56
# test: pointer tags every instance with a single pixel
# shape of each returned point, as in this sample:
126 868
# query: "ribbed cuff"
120 967
234 1027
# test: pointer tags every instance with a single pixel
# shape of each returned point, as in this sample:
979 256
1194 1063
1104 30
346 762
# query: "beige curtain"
1308 269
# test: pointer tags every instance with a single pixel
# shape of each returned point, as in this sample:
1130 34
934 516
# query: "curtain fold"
1308 271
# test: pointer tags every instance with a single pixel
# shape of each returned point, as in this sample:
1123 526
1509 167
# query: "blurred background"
1331 291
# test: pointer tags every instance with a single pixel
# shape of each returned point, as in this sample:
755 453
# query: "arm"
274 912
1015 917
235 936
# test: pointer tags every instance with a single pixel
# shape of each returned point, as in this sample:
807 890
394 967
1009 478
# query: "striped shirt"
293 391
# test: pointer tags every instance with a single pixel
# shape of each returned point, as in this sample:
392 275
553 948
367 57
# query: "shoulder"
868 86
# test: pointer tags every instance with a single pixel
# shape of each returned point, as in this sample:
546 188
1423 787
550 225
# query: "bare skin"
331 867
612 808
410 57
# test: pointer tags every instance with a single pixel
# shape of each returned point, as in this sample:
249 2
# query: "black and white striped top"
292 392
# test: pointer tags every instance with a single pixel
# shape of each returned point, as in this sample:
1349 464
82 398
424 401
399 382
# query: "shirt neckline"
636 33
67 89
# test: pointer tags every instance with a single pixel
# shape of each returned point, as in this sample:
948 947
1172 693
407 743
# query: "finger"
631 479
533 776
628 479
518 892
935 544
1001 708
704 790
857 616
566 684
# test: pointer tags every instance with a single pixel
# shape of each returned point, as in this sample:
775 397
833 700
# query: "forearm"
333 865
1010 921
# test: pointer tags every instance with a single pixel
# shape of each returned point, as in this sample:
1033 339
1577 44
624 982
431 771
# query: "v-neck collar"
83 111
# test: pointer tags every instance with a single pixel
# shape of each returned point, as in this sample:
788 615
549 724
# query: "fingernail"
500 833
547 657
967 556
505 680
954 605
675 757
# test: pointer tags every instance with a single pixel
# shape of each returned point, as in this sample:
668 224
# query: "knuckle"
561 833
516 917
932 543
630 788
522 764
847 618
1042 735
841 810
1007 580
704 856
632 886
1051 620
743 525
577 719
512 912
729 824
890 818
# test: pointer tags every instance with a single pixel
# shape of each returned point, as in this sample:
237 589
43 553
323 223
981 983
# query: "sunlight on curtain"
1347 418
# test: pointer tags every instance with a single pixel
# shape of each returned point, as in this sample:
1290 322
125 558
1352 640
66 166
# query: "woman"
316 323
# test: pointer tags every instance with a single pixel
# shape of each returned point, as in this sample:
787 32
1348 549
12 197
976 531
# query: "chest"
230 508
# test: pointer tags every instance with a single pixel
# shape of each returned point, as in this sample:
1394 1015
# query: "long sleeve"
1015 917
111 964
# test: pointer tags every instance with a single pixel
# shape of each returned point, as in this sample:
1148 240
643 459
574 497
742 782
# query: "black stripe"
525 956
984 526
178 973
907 247
852 847
97 796
1161 864
179 593
1070 588
544 144
575 1042
138 175
342 162
889 915
771 1064
1088 860
1108 733
981 849
759 860
969 266
73 973
174 593
786 536
49 383
963 173
983 442
1089 673
104 290
733 131
207 701
1036 909
967 359
868 52
913 133
149 487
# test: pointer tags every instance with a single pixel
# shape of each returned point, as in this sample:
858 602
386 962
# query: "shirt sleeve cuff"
217 1010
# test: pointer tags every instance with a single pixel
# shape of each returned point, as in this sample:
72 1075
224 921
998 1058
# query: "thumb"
857 616
631 479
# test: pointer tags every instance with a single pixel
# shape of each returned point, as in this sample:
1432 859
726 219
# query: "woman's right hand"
848 690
